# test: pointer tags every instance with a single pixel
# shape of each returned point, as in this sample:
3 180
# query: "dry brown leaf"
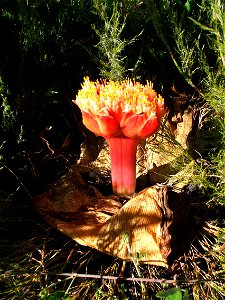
83 213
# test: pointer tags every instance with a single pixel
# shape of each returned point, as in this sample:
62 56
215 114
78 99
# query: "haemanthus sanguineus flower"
123 113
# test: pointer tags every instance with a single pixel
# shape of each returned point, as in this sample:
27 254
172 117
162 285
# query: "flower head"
124 113
113 108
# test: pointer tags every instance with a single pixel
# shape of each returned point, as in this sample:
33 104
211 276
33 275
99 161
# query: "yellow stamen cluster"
128 95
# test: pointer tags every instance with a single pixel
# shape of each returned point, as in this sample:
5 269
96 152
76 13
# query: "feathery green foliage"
112 45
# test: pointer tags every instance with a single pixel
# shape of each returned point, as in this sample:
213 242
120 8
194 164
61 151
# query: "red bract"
124 113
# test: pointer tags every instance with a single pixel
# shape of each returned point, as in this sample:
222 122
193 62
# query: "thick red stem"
123 164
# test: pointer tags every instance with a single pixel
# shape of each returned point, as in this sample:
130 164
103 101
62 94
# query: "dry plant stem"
123 164
143 288
17 178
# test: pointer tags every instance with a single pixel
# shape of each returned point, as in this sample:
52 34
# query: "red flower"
124 113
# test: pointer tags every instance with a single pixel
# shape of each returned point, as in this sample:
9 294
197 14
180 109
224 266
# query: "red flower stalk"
123 113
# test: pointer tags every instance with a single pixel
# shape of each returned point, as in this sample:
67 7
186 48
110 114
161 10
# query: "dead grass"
37 262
